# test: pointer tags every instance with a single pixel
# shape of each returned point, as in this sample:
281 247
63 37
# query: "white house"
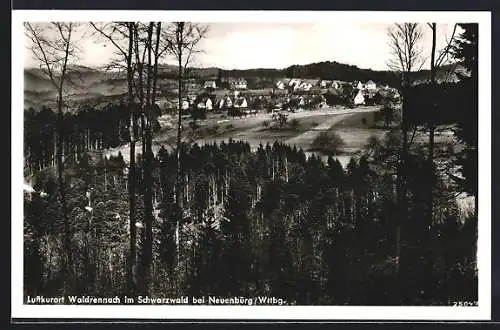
294 82
307 86
360 85
228 102
185 105
210 84
370 85
359 98
208 104
240 102
280 84
335 84
324 83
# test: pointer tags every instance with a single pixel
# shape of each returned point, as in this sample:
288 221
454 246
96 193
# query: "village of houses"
235 97
235 108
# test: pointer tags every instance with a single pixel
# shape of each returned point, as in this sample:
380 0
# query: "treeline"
340 71
322 70
88 128
268 222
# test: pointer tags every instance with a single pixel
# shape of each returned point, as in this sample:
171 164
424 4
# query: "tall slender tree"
437 60
54 45
465 50
121 36
183 40
147 252
406 56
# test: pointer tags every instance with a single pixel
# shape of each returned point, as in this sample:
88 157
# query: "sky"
278 45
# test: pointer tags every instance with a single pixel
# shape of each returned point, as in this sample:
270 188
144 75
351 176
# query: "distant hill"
338 71
83 84
96 86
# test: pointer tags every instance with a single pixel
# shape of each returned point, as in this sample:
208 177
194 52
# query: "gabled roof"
240 101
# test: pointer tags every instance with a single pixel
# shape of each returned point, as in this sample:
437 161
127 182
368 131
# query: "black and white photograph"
265 161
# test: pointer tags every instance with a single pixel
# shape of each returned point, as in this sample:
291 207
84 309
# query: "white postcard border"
481 312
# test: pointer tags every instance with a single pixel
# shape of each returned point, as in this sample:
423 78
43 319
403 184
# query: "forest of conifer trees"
270 222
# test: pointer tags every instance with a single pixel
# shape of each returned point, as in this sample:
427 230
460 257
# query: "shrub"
294 124
229 126
279 120
328 143
390 115
265 123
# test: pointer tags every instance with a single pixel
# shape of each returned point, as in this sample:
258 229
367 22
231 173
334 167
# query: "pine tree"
466 52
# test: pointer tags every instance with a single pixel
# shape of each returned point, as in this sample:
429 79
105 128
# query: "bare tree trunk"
401 181
60 173
432 128
155 67
60 167
286 168
150 194
148 184
131 175
140 69
178 197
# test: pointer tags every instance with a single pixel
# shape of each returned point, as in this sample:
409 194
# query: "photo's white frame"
179 312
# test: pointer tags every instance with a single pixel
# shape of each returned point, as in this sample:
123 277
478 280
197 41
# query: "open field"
252 129
355 127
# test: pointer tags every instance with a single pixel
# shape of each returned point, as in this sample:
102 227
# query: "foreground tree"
54 46
147 251
183 40
121 36
315 235
437 61
465 50
406 56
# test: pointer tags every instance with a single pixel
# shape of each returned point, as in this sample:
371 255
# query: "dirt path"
249 129
304 140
